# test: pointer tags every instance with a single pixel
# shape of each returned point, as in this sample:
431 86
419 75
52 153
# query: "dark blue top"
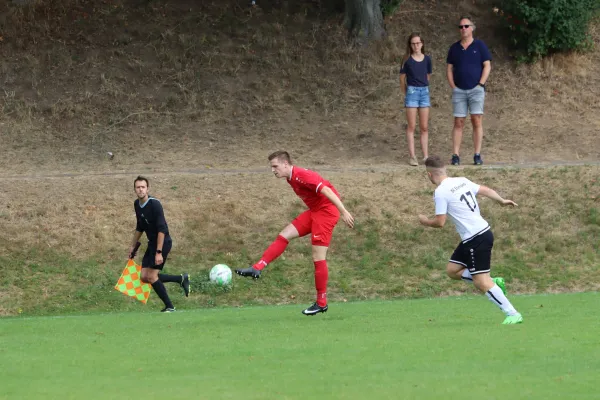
468 63
150 219
416 71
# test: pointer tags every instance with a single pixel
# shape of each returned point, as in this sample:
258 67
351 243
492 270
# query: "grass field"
451 348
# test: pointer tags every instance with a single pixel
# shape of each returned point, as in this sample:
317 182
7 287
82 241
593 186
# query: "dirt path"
257 170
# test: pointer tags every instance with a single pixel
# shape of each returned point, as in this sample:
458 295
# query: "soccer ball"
220 274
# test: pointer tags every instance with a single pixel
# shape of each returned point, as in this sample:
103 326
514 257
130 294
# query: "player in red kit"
324 211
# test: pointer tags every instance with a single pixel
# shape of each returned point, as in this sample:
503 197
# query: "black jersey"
150 219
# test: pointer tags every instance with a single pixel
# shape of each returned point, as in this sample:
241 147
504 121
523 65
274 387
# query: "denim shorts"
468 101
417 97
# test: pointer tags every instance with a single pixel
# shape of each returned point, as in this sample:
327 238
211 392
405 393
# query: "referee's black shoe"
250 272
185 284
315 309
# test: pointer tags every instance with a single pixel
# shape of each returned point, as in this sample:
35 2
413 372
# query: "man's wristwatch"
158 251
482 85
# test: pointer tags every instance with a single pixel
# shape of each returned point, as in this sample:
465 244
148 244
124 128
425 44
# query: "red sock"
273 251
321 276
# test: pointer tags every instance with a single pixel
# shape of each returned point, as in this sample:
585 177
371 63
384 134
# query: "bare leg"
477 121
289 232
424 130
457 132
483 282
454 271
411 119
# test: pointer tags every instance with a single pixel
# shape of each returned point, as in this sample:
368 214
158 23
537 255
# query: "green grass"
451 348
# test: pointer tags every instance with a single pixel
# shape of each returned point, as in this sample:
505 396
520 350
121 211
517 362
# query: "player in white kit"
457 198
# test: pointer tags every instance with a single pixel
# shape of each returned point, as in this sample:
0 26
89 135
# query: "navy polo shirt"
468 63
416 71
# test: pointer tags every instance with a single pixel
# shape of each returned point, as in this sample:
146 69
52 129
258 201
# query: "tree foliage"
388 7
540 27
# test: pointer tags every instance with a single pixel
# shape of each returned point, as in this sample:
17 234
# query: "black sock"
164 278
161 291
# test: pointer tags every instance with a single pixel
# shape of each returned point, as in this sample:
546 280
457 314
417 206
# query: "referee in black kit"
151 219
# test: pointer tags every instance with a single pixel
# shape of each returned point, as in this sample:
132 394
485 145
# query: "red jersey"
307 185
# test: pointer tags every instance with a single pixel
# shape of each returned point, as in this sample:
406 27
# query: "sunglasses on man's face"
464 26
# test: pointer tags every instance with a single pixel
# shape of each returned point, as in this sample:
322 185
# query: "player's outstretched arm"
346 216
492 194
438 222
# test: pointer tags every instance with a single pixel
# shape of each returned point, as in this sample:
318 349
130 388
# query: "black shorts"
148 260
476 254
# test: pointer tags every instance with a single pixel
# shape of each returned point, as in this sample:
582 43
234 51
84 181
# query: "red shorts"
320 223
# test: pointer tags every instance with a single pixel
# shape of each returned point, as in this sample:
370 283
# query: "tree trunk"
364 19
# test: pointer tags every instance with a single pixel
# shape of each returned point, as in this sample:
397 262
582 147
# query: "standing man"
324 209
151 219
457 198
469 66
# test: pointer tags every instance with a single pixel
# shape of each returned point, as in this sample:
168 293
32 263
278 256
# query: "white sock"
498 298
466 276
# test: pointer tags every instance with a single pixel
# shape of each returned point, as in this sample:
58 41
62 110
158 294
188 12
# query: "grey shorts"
468 101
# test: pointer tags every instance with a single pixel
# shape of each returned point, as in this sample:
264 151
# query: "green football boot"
513 319
501 284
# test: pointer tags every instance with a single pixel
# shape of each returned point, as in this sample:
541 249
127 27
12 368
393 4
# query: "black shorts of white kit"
476 254
148 260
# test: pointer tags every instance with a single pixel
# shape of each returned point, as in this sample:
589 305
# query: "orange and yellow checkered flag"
130 282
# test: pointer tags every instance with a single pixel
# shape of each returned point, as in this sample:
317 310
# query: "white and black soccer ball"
220 275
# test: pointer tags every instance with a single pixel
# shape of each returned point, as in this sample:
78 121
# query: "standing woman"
414 82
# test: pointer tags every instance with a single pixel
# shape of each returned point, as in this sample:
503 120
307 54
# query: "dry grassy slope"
79 244
171 85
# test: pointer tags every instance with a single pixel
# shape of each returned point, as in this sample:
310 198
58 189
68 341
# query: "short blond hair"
281 155
434 162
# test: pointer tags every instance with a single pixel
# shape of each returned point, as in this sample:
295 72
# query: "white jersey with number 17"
457 198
